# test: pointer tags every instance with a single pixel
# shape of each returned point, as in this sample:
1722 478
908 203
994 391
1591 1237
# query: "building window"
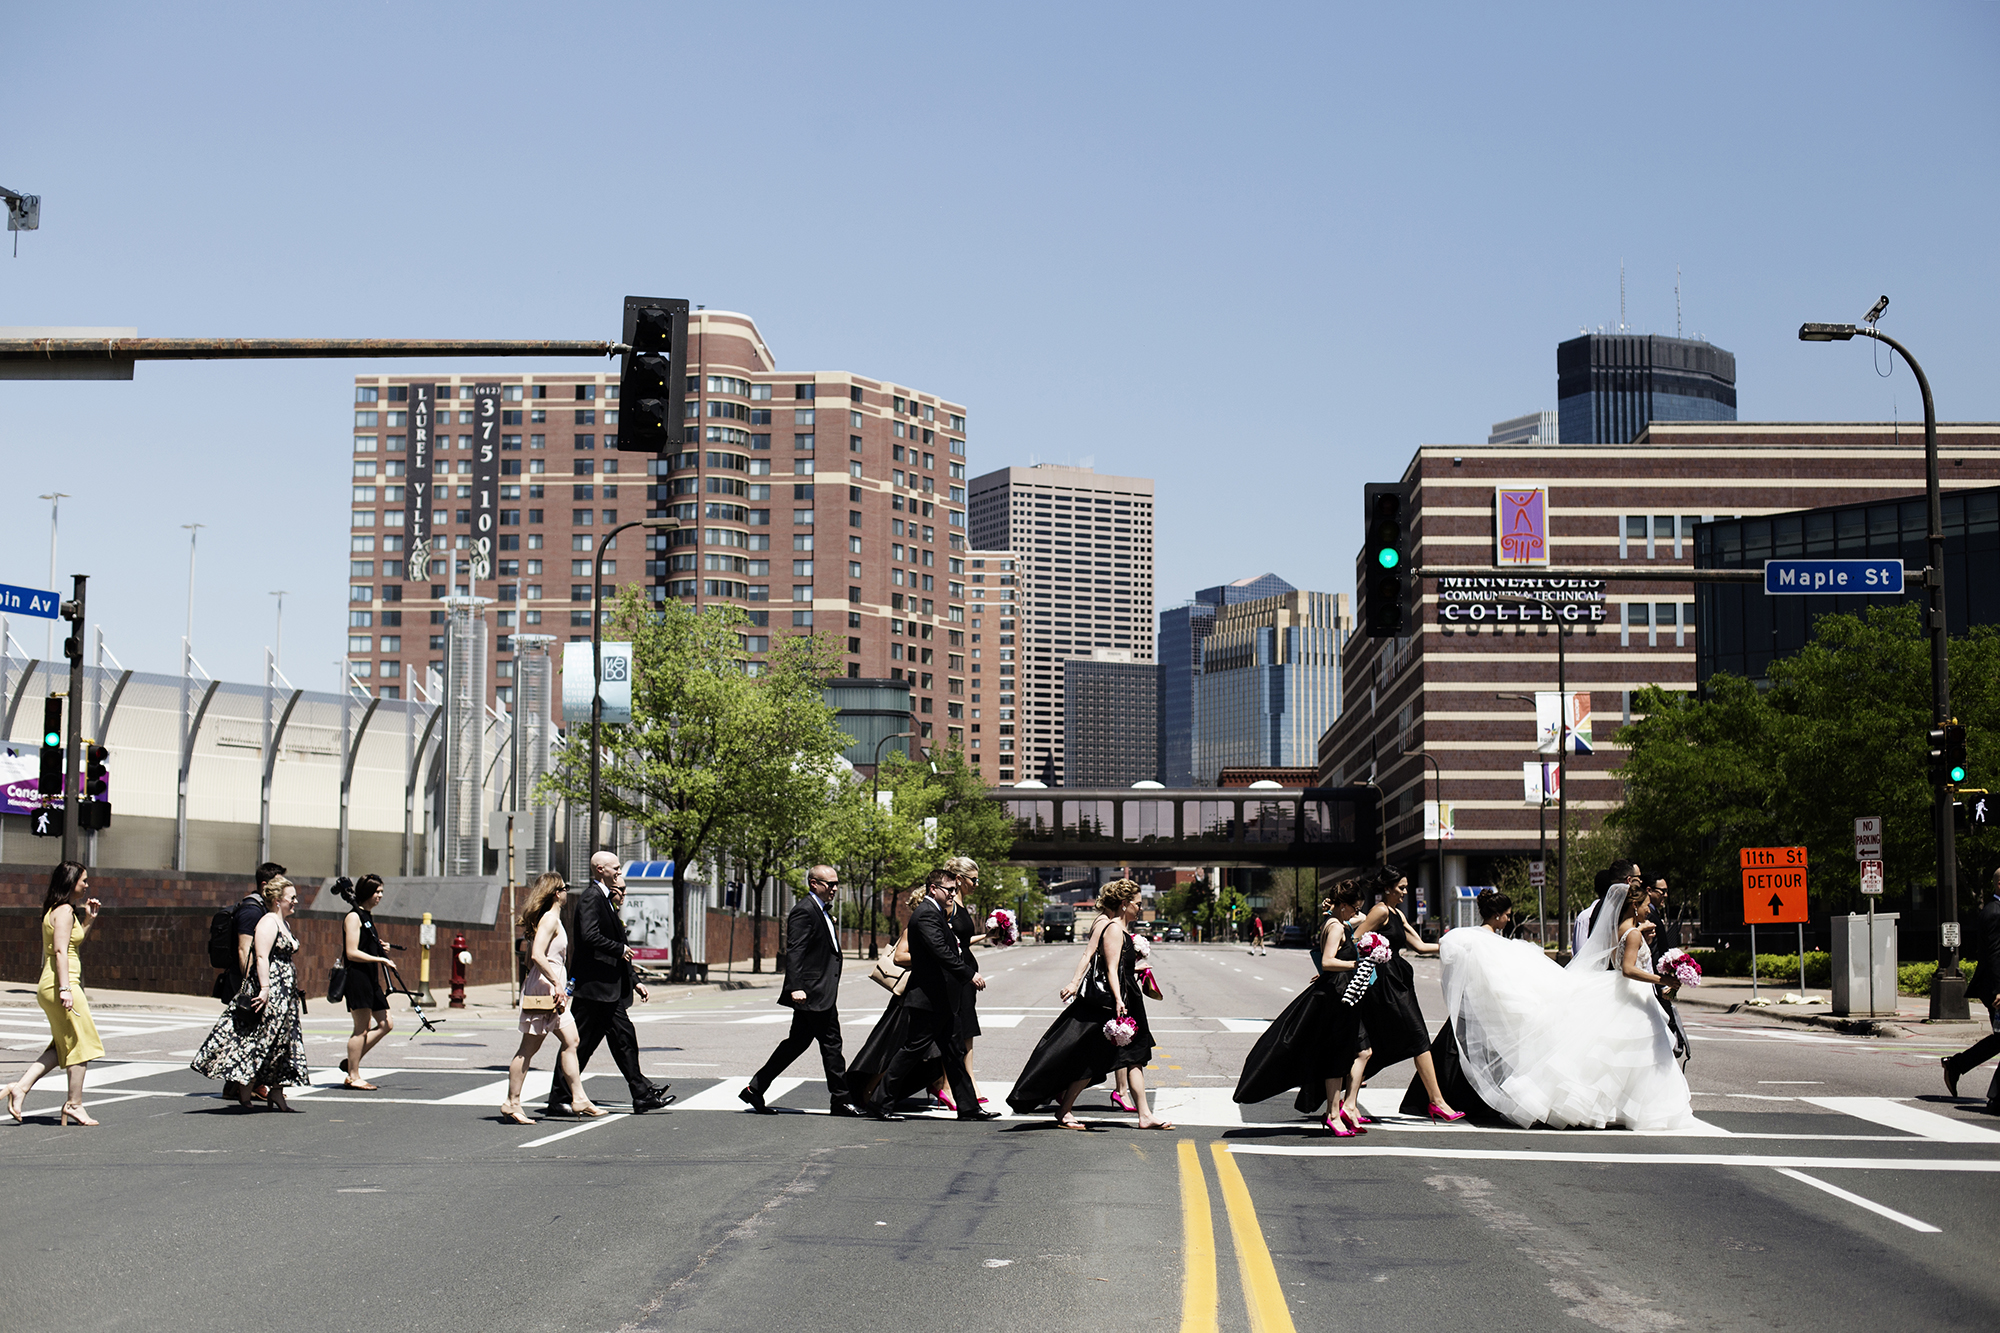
802 619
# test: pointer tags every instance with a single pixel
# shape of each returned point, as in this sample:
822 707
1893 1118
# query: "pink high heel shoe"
1439 1113
1353 1120
1338 1128
949 1105
1118 1100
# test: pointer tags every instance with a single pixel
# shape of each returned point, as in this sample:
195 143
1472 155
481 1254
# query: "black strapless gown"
1075 1047
891 1030
1315 1038
1395 1021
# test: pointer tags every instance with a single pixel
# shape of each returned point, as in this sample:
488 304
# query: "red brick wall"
153 934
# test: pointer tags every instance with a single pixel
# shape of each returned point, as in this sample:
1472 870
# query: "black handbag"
336 981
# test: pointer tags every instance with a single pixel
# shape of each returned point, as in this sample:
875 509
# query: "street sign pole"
72 849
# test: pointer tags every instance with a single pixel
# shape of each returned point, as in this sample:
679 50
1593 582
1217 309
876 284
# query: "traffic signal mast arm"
239 349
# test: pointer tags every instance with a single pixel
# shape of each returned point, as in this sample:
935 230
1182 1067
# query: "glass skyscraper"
1609 385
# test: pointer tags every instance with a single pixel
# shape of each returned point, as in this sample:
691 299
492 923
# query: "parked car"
1175 935
1292 937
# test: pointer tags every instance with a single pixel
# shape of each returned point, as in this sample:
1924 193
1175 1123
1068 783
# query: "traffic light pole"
72 793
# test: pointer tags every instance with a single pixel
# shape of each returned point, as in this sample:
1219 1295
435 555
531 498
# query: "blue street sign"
1831 576
29 602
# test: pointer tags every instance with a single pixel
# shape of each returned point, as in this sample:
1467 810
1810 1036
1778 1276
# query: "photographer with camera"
362 957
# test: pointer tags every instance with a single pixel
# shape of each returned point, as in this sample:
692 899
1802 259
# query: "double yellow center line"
1263 1297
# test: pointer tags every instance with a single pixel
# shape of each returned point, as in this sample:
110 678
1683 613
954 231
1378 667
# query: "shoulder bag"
1095 992
889 976
336 978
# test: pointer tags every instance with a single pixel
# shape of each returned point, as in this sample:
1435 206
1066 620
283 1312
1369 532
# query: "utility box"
1853 958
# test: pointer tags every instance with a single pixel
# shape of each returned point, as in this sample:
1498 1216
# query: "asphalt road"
1833 1187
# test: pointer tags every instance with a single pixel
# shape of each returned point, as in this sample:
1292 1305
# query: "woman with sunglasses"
67 917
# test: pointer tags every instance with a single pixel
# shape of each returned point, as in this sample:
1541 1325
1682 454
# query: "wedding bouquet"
1120 1031
1373 947
1141 946
1675 965
1001 928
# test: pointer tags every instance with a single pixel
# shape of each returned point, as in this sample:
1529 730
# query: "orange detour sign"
1774 885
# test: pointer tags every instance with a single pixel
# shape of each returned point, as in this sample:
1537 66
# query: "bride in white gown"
1584 1046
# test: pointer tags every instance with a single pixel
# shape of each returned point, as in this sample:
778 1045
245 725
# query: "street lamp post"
597 661
1948 985
1437 778
875 867
55 499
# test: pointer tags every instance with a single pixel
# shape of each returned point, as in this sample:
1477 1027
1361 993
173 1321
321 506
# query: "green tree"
1839 733
709 743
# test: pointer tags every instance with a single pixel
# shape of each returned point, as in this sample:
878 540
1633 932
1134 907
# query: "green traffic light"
1388 557
52 739
1957 775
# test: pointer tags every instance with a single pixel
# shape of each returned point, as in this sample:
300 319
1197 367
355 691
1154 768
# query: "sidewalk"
1733 995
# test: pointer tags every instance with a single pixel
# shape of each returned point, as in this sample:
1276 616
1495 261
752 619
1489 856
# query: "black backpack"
222 939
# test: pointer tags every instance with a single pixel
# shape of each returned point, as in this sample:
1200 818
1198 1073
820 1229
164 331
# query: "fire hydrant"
460 956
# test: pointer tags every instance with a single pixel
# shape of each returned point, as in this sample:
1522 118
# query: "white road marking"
1837 1192
722 1097
1963 1165
1925 1124
599 1123
1246 1025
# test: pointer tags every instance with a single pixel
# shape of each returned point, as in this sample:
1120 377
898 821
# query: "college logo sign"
1521 527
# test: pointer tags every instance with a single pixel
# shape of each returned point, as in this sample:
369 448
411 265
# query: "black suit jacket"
1986 947
598 967
939 969
812 964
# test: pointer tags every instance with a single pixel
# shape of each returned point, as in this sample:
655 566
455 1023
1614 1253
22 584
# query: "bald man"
812 992
602 985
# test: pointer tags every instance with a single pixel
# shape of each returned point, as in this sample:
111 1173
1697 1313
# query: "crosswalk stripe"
1910 1119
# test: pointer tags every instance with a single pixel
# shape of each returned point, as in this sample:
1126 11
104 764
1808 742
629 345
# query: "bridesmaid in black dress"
1074 1053
1496 913
891 1031
1318 1044
966 926
1394 1020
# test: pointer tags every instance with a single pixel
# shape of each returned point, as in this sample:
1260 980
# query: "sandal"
1071 1122
512 1114
73 1112
363 1086
1160 1124
590 1112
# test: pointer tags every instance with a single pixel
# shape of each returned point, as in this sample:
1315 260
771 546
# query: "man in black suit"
939 969
1985 988
812 992
602 985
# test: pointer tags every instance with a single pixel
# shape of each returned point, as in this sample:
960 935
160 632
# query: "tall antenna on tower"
1677 300
1621 296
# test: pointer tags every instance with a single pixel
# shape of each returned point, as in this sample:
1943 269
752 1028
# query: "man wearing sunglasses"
812 992
939 968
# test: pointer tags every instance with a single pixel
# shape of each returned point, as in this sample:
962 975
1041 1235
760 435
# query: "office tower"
1110 720
1269 683
992 595
868 552
1529 428
1182 629
1083 547
1610 385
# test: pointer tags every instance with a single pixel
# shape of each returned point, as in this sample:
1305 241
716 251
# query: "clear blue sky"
1258 253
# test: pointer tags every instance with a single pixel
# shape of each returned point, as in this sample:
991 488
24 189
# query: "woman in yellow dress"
73 1041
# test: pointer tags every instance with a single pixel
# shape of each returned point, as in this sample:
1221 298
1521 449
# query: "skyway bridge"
1322 827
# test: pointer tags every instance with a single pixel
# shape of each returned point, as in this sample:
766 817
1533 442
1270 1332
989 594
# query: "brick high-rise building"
1083 544
869 551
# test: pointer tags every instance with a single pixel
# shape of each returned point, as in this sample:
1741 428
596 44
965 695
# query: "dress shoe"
1950 1078
656 1102
230 1088
875 1111
755 1101
846 1110
978 1115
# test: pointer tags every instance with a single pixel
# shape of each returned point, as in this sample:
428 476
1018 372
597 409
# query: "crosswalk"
21 1029
1848 1119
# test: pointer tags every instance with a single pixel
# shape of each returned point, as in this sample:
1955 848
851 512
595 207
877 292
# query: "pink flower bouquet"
1120 1031
1675 965
1373 947
1000 928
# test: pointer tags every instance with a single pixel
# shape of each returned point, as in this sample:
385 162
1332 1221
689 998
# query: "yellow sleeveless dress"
71 1031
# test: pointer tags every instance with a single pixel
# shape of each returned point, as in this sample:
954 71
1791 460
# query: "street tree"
709 742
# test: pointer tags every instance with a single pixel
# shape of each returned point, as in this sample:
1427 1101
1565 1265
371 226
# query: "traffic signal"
50 781
652 374
1972 813
95 810
1954 753
1385 559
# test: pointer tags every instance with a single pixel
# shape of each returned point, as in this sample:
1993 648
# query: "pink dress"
541 1022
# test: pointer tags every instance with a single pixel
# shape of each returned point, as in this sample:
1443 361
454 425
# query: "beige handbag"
892 973
544 1002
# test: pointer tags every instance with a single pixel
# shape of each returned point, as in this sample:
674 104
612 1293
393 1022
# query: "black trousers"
809 1026
909 1070
604 1021
1974 1056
